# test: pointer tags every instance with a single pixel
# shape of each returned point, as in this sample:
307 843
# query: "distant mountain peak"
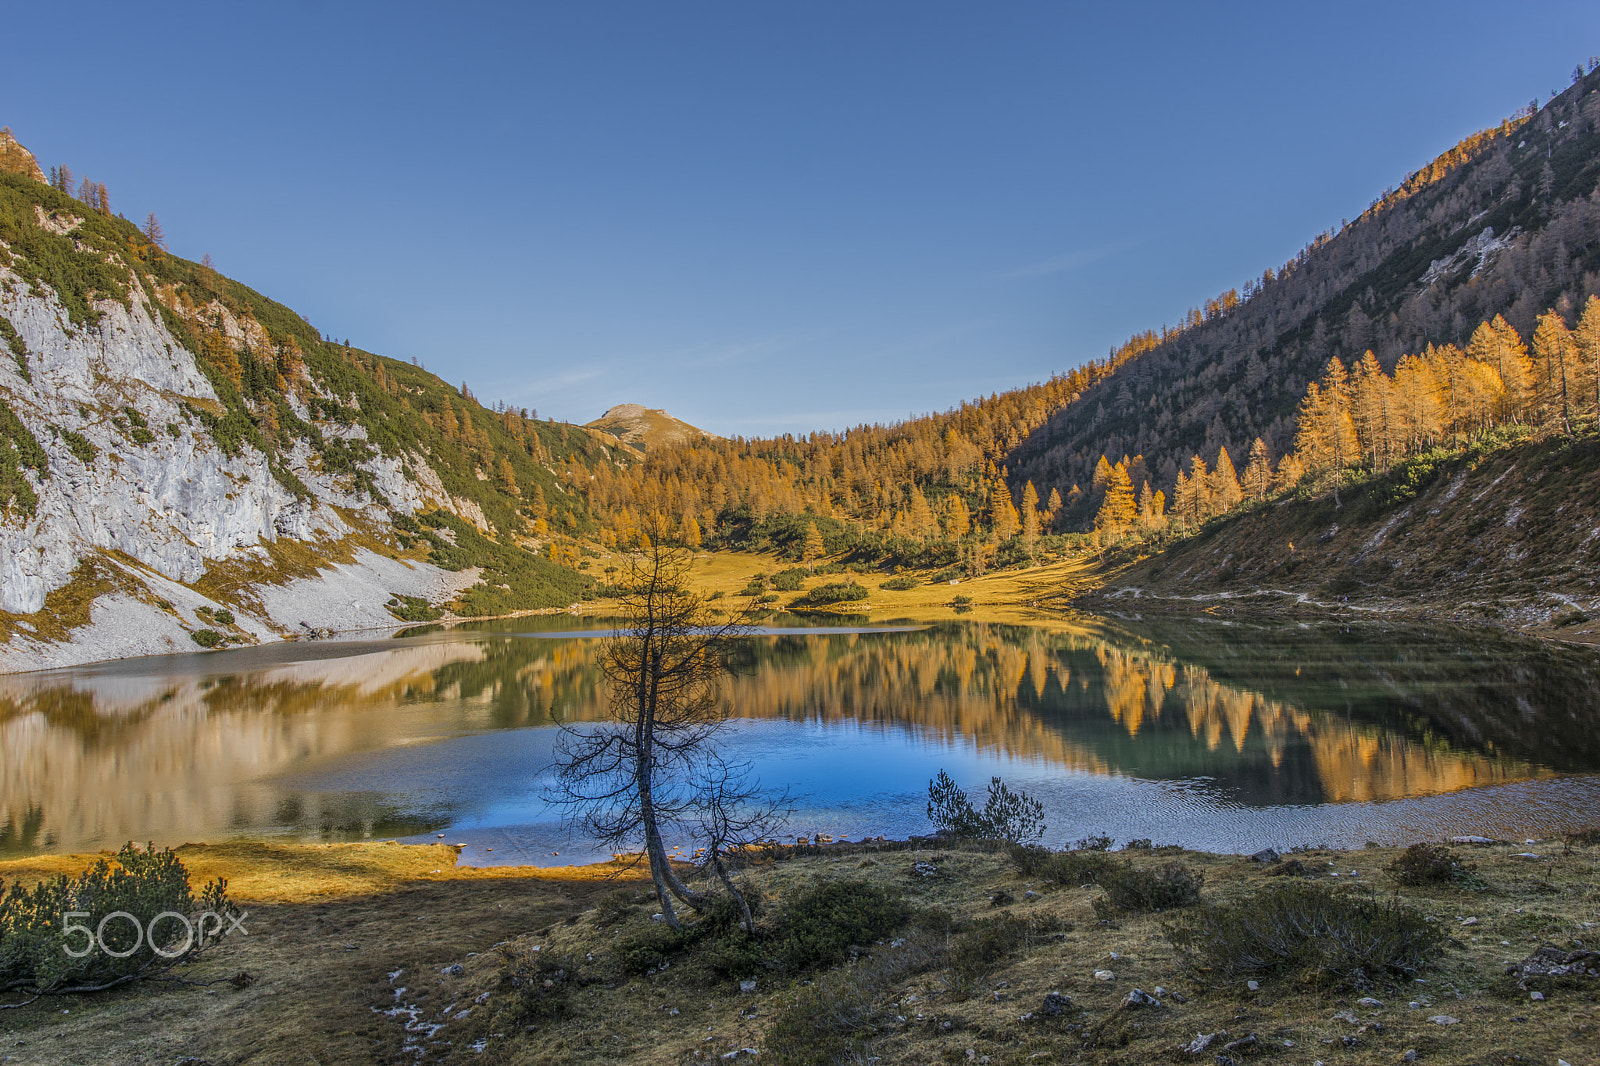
647 427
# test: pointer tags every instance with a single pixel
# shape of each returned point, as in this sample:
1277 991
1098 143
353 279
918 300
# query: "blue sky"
763 217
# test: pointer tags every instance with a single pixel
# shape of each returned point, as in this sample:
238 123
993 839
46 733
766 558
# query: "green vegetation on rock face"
46 259
514 579
19 350
18 451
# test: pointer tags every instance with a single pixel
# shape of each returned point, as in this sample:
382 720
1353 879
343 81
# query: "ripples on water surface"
1197 732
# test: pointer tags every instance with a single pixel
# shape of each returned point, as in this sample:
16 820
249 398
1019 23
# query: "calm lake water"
1202 732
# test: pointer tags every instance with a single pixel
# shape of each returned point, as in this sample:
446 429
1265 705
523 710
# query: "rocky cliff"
184 463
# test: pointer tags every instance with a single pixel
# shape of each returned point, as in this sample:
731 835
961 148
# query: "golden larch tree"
1554 358
1118 510
1225 491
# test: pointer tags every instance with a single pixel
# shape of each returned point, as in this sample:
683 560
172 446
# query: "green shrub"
222 616
1430 864
831 593
1129 888
790 580
79 446
900 584
1070 868
19 349
1010 816
1321 937
206 638
18 449
43 943
988 942
647 948
412 608
538 989
831 1021
825 919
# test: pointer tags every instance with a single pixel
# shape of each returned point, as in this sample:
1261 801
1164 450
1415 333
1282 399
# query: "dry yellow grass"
1036 596
266 871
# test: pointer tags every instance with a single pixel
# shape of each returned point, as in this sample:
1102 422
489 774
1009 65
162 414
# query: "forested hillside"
1506 223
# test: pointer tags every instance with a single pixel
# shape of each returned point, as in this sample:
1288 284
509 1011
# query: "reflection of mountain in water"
1273 715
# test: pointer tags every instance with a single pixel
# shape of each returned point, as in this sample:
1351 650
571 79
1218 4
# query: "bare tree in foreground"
656 764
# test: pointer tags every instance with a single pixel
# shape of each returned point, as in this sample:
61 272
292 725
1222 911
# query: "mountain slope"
1506 222
172 442
1505 532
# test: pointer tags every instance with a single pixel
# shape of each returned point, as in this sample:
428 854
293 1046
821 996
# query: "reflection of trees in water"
1079 701
107 760
1276 715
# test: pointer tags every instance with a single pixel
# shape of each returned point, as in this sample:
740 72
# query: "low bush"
900 584
1129 888
831 593
618 906
816 928
825 919
988 942
412 608
790 580
832 1020
79 446
537 990
207 638
1430 864
1070 868
645 949
1320 937
59 936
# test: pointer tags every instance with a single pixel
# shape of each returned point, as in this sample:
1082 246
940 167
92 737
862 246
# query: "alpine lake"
1212 733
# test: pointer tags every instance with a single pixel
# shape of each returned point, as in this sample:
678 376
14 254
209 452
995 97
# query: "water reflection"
367 739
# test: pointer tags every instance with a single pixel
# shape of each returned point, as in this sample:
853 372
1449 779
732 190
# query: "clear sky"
763 217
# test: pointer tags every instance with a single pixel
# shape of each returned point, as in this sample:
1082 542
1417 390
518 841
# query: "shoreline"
1039 595
268 870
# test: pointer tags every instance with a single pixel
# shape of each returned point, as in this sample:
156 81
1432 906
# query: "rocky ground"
370 953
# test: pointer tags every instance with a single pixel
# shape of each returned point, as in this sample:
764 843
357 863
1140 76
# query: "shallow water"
1199 732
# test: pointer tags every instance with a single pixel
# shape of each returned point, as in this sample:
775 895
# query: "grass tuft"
1311 934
